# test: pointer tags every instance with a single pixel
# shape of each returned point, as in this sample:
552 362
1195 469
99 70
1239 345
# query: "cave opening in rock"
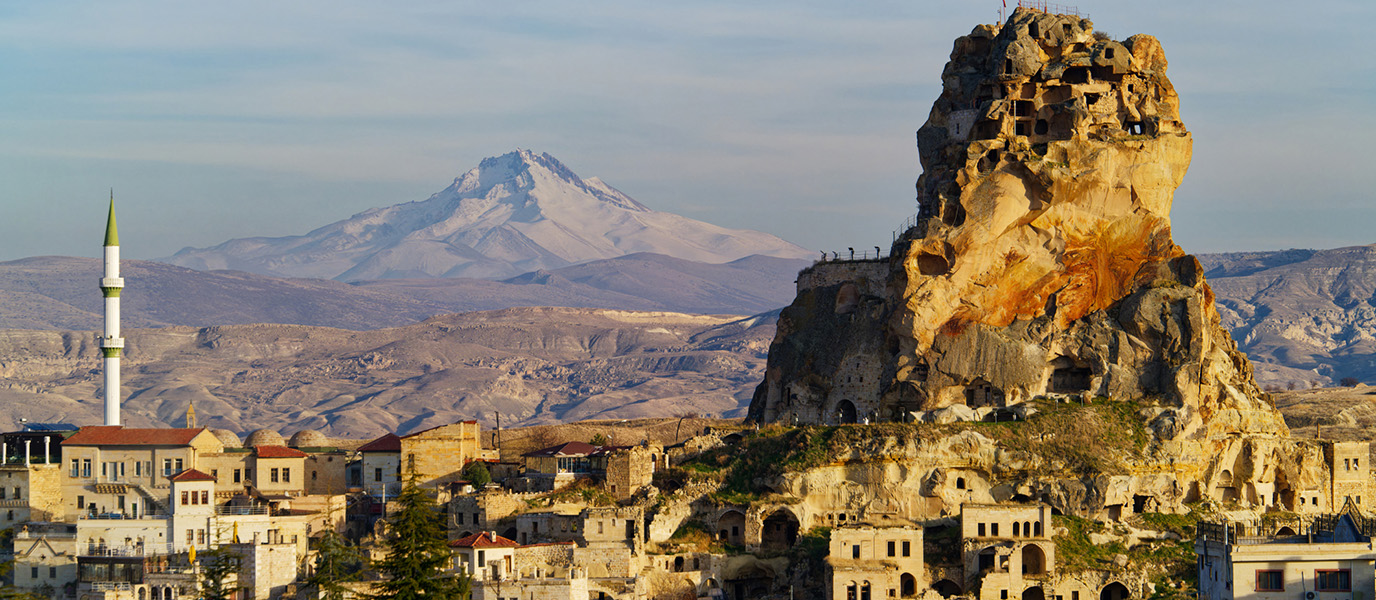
1115 591
780 531
1076 75
1069 376
981 393
845 412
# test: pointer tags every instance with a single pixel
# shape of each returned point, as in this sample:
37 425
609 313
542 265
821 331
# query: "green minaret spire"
111 232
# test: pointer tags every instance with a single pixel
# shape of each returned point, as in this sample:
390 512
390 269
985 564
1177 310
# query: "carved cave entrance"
779 531
1114 591
981 393
946 588
845 411
908 584
1069 376
1033 593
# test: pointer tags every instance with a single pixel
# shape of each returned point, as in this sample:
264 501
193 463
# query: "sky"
213 121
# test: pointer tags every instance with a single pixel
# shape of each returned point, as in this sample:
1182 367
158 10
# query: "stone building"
1334 559
127 471
874 563
44 556
438 456
1007 547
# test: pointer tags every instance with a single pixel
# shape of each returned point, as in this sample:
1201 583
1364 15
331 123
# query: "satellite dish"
1309 595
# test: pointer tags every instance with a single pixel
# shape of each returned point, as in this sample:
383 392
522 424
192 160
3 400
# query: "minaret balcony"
111 342
111 282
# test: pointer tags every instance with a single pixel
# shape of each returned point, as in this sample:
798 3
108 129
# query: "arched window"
1037 529
1017 529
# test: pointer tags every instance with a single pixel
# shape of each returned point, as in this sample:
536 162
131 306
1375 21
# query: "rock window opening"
932 265
1139 504
1041 127
1076 75
1008 66
1065 29
1134 127
920 371
1033 30
1108 52
1033 593
1020 128
1091 98
960 483
989 161
1022 108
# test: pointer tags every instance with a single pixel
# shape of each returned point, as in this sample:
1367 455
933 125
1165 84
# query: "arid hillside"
533 365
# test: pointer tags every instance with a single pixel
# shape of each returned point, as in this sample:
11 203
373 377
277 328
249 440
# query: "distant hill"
534 365
512 214
53 292
1300 315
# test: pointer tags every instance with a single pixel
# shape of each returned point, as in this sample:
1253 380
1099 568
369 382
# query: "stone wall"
440 453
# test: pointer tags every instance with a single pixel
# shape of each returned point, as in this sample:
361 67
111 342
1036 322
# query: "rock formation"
1041 263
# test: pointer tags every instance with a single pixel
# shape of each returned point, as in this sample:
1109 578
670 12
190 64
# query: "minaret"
110 343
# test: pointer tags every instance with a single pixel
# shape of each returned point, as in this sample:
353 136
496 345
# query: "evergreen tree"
217 566
477 474
417 560
336 562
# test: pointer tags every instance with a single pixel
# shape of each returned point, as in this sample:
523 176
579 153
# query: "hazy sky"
220 120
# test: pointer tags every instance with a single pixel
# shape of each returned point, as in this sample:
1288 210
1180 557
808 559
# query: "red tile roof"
191 475
483 539
386 443
116 435
278 452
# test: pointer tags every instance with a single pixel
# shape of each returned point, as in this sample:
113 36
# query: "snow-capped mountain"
513 214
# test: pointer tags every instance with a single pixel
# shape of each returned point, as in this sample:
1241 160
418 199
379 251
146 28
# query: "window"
377 476
18 493
138 468
248 474
312 475
200 536
994 529
286 475
52 572
76 468
907 548
481 558
2 493
215 473
1333 581
205 496
892 548
81 502
460 516
238 476
1347 464
273 475
33 572
121 502
1270 581
85 467
191 536
855 551
184 498
171 466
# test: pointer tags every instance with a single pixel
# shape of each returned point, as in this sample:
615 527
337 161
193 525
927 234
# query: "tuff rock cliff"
1041 270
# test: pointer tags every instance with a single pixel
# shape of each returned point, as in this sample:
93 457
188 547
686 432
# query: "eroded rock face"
1041 262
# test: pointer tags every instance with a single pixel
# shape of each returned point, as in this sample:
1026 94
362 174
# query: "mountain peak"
511 214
